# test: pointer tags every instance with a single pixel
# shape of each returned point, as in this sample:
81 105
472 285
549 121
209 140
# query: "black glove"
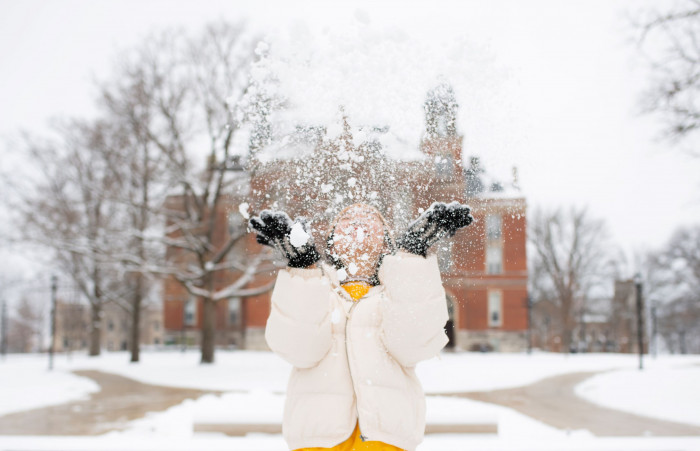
432 225
273 228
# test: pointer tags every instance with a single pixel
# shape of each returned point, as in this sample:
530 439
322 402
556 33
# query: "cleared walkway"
553 401
119 401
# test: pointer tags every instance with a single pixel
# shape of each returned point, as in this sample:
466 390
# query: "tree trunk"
95 330
566 327
208 330
136 319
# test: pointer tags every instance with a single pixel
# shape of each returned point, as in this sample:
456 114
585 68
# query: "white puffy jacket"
357 358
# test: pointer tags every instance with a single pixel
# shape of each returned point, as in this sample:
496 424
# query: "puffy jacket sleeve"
299 327
414 311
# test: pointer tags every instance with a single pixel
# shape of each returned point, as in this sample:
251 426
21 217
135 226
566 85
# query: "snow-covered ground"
667 392
252 370
255 384
446 442
26 383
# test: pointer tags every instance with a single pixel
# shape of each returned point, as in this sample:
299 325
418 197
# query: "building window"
445 255
493 227
494 258
234 311
236 224
495 308
450 308
403 209
190 312
280 198
444 166
494 244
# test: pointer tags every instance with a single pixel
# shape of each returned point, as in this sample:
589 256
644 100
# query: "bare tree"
63 202
670 42
25 327
570 257
179 99
673 277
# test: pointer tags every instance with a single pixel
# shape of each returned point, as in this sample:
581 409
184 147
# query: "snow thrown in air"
380 76
243 210
342 274
298 236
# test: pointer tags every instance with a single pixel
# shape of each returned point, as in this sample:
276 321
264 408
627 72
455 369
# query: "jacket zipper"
347 355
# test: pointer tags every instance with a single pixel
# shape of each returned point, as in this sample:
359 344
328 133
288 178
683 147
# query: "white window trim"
489 310
446 255
489 245
193 302
500 226
231 301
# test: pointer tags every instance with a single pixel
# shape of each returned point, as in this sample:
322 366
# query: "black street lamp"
653 329
54 282
529 324
640 332
3 326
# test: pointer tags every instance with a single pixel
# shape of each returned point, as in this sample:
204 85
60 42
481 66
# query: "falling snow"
298 236
243 210
342 274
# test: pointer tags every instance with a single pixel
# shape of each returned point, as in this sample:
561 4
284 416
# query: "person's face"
359 236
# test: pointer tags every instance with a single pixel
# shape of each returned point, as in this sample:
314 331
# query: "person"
354 325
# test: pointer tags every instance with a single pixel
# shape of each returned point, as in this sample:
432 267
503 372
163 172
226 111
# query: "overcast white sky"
550 86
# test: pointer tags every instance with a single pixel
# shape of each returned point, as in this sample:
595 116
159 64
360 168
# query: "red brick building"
484 266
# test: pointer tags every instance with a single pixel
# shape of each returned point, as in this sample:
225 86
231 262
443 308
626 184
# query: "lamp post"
3 326
653 329
640 340
529 324
54 282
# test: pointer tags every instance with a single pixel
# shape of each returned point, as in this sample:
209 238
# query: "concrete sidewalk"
554 402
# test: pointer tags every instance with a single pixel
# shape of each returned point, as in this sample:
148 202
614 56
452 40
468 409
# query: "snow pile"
254 407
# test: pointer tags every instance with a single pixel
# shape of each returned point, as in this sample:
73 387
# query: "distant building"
484 266
73 318
606 324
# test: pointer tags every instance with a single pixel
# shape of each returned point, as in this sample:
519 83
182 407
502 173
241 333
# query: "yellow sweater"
354 442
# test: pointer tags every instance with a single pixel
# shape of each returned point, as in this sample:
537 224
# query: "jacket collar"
332 274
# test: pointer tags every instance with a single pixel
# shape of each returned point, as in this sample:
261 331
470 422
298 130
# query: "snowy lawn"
669 393
255 384
263 377
253 370
26 383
